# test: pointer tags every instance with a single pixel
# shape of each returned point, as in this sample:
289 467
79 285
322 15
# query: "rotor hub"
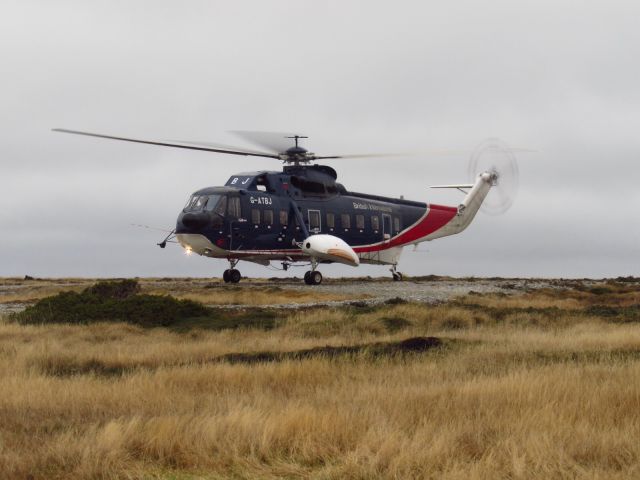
296 151
296 154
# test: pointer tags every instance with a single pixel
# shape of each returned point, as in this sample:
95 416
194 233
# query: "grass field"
208 291
535 384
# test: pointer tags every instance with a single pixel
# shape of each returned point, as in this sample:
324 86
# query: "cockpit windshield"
212 203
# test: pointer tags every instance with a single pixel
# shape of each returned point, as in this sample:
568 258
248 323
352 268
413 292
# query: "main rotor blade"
222 146
364 155
167 144
277 142
413 154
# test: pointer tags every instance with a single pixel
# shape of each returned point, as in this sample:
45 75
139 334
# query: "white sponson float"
328 247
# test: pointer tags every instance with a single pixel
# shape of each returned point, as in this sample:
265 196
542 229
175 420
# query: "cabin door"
386 226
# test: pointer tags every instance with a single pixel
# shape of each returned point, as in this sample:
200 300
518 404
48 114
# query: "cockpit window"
196 202
202 201
233 207
217 204
212 203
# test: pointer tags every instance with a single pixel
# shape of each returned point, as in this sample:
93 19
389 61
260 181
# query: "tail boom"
468 208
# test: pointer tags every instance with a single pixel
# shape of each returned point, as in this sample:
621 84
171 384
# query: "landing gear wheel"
234 276
225 276
313 277
397 277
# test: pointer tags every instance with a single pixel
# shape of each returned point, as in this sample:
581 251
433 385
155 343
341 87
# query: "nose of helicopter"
189 233
198 243
194 220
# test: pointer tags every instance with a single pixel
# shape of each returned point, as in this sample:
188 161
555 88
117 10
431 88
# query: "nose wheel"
232 275
313 277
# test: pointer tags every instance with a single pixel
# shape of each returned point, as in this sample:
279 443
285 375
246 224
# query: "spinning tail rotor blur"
496 157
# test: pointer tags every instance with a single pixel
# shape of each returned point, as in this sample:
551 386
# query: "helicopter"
302 214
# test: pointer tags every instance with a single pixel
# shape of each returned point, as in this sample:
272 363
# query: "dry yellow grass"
255 296
516 398
249 292
208 291
18 290
611 293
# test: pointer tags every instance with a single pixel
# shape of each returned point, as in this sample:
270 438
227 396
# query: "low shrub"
117 289
120 301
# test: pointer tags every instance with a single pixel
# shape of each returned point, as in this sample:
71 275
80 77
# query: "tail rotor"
495 157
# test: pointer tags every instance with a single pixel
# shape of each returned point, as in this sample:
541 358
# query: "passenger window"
360 222
375 222
396 224
345 220
331 220
284 217
233 207
268 217
255 216
314 219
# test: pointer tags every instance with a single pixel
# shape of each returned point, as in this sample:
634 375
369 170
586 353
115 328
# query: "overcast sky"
560 77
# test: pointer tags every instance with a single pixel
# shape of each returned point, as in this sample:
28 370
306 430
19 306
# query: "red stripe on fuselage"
437 217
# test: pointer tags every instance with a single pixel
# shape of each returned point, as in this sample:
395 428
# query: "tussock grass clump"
394 324
68 365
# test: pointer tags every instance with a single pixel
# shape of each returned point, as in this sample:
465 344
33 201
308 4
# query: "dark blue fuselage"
271 211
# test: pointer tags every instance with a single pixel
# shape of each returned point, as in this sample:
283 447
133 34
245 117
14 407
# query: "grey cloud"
560 77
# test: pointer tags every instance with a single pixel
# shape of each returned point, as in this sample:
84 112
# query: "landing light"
188 251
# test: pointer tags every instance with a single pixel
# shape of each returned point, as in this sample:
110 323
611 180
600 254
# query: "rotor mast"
296 137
